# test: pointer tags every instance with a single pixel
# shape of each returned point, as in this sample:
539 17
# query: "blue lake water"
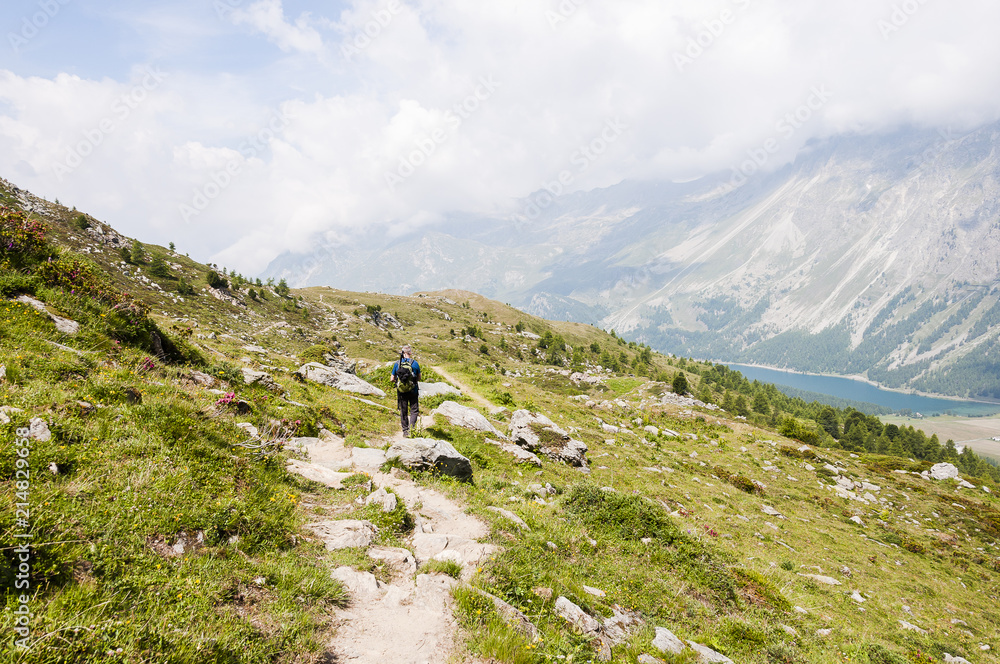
848 388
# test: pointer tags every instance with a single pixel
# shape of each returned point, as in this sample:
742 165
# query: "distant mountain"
874 255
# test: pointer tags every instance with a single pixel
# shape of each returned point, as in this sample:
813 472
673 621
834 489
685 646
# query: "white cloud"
268 17
312 134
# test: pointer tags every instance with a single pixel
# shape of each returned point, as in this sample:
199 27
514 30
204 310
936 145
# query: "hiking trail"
407 620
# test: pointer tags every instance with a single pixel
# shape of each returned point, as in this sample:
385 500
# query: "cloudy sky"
240 129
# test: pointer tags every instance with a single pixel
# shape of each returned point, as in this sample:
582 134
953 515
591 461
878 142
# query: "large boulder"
944 471
465 417
345 534
429 454
537 433
262 378
337 379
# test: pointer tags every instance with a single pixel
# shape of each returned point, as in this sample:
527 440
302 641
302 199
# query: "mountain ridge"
835 251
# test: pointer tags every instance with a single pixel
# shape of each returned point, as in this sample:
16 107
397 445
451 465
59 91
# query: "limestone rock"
944 471
316 473
262 378
340 380
399 558
522 455
666 642
63 325
596 592
3 373
203 379
510 516
577 616
345 534
537 433
911 627
358 583
383 499
466 417
428 454
5 412
709 656
39 430
651 430
647 659
520 621
948 659
825 580
428 390
249 428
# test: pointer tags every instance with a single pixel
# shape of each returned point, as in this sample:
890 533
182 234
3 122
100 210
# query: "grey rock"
944 471
387 501
911 627
399 558
63 325
519 453
510 516
428 454
648 659
345 534
823 633
667 642
949 659
203 379
537 433
428 390
825 580
466 417
596 592
3 372
651 430
249 428
340 380
358 583
709 656
262 378
316 473
577 616
39 430
341 363
520 621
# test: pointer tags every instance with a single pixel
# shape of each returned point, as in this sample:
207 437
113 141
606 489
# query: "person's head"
406 351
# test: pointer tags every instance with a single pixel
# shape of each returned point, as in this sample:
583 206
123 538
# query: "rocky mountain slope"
870 255
217 476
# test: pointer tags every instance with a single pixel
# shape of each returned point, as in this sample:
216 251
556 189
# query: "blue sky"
240 129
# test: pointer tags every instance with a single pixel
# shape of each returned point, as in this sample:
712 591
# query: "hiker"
406 376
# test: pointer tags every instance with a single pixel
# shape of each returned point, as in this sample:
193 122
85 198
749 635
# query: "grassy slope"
716 569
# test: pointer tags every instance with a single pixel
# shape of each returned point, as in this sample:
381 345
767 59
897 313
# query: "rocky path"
409 619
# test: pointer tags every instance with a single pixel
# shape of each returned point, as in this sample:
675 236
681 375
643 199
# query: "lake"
849 388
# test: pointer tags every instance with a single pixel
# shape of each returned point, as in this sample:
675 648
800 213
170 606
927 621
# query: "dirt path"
466 390
409 619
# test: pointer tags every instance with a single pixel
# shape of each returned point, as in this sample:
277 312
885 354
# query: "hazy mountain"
870 254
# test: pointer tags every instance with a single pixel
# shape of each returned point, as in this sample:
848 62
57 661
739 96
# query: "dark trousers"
409 410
